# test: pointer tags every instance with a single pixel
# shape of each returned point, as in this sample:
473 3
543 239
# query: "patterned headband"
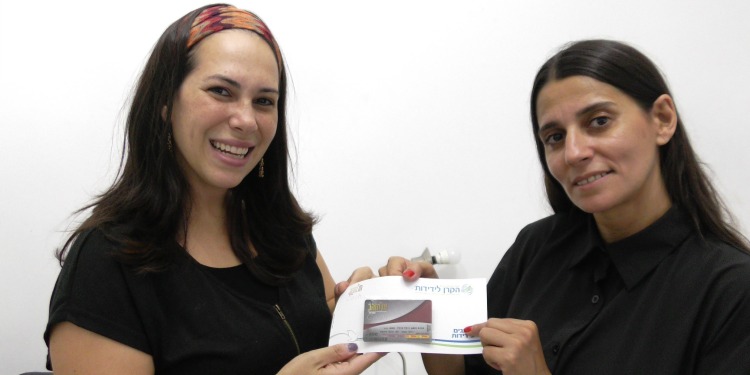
222 17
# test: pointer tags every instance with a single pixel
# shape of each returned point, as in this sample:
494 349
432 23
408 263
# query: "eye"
265 102
600 121
219 91
552 139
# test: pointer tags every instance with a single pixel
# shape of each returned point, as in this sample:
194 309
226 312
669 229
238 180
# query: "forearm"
443 364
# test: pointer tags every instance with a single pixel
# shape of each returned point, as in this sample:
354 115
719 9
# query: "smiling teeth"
591 179
231 150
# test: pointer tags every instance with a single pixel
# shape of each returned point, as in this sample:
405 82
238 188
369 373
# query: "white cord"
403 361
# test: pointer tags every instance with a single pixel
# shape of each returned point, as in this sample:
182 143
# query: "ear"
664 116
164 113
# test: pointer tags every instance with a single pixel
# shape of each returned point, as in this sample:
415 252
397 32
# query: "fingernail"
352 347
467 329
409 274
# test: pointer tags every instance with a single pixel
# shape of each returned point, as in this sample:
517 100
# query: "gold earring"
261 172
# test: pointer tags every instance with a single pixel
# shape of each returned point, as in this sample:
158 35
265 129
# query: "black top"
190 318
662 301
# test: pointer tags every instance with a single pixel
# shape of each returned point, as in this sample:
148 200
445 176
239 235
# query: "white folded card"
389 314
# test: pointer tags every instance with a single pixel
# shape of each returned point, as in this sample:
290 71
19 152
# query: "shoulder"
715 273
722 261
533 238
91 249
90 266
557 226
95 291
311 246
718 275
542 225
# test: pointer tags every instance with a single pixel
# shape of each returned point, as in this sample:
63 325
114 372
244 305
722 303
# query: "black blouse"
662 301
192 319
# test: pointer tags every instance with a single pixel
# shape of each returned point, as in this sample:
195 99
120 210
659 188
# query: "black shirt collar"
639 254
634 256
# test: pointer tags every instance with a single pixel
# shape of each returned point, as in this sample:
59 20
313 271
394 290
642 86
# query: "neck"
628 219
207 239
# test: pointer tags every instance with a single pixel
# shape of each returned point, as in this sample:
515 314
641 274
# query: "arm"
328 282
74 350
443 364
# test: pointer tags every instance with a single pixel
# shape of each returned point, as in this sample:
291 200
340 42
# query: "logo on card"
355 289
465 289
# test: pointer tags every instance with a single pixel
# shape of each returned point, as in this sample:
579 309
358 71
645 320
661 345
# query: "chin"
228 183
592 206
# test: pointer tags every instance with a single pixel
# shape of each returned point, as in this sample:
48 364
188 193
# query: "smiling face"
225 112
602 147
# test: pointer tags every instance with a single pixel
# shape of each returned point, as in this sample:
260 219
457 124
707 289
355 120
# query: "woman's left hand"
511 346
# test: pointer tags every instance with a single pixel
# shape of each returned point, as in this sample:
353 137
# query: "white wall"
410 120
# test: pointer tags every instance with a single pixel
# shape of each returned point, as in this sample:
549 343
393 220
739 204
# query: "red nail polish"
409 273
467 329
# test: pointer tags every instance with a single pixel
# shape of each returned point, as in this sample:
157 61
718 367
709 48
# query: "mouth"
591 179
235 152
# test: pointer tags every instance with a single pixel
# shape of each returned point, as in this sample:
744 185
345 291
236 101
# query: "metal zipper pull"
288 326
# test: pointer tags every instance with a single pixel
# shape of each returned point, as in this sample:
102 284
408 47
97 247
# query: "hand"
339 359
511 346
411 271
362 273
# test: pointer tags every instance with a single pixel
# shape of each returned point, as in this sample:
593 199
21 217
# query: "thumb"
340 288
337 353
474 330
313 361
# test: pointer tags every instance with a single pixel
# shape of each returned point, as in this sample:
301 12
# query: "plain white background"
410 122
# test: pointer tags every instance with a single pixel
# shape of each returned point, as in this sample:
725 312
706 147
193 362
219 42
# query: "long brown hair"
147 205
627 69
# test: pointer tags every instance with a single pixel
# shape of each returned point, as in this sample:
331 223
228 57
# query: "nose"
577 148
243 117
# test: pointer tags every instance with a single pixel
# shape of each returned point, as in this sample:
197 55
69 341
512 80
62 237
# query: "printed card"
389 314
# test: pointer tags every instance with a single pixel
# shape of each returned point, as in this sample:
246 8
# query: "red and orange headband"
222 17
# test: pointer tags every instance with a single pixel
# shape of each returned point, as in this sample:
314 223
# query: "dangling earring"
261 172
169 140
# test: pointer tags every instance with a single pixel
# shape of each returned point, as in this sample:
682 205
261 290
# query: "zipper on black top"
288 326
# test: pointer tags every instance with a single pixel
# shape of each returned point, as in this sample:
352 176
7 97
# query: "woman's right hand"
339 359
411 271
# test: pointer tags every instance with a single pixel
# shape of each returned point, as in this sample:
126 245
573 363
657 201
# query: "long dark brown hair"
627 69
146 207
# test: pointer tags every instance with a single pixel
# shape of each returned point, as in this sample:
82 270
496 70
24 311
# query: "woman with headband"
199 259
639 271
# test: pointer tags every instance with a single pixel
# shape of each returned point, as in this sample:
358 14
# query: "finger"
395 267
494 357
340 288
512 326
333 354
360 274
354 365
416 270
473 330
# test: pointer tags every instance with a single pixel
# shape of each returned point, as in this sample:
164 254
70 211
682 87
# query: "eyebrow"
236 84
586 110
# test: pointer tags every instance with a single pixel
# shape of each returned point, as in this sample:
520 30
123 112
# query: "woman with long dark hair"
639 270
199 259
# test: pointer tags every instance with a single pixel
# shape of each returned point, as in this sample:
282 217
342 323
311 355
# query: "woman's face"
602 147
225 112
